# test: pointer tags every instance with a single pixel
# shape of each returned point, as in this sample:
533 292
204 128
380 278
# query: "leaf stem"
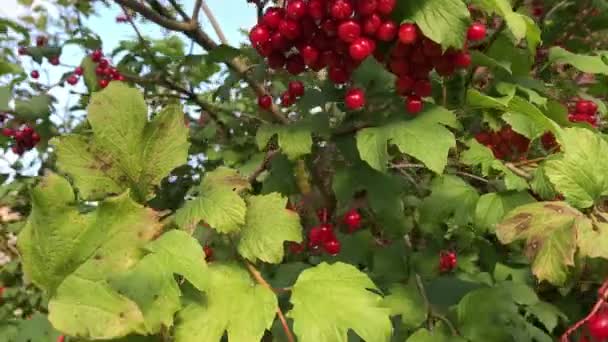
260 279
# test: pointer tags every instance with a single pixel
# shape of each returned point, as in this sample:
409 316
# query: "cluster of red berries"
295 90
584 111
340 34
447 261
104 71
25 138
41 41
505 144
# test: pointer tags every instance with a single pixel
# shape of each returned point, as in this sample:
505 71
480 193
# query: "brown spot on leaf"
520 222
534 244
557 208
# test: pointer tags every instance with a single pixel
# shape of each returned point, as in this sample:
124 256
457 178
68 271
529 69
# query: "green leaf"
233 303
492 207
477 99
585 63
405 300
480 58
443 21
89 75
38 106
222 53
482 310
218 204
579 173
72 255
125 151
36 328
524 125
424 138
295 140
5 97
541 185
268 225
547 314
328 300
424 335
372 76
550 231
450 197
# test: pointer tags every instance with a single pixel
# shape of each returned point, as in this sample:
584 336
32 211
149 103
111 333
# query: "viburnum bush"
357 170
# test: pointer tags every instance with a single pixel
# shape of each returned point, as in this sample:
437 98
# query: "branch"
196 10
258 277
155 17
179 10
214 23
264 165
521 173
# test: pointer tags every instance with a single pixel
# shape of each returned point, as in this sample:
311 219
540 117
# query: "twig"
603 296
179 10
214 23
472 176
429 309
258 277
264 165
521 173
530 161
407 166
196 10
154 16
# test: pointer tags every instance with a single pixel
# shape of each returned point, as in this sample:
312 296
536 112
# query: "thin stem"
521 173
179 10
196 10
263 166
214 23
260 279
472 176
154 16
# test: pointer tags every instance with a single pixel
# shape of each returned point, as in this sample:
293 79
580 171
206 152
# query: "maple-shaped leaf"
233 303
218 204
268 225
125 150
549 231
329 300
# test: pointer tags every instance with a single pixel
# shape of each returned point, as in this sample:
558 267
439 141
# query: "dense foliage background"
360 170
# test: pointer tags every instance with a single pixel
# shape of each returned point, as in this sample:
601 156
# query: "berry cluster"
25 138
74 77
104 71
295 90
340 34
41 41
447 261
584 111
506 144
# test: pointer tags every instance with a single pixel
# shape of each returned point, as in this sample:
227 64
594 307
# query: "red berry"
8 132
352 219
296 9
99 71
296 248
404 85
289 29
414 104
447 261
387 31
366 7
332 247
208 252
408 33
40 41
310 55
316 9
462 60
265 101
287 100
119 77
54 60
60 338
323 215
35 74
22 50
258 35
598 326
296 88
354 99
592 108
477 31
103 83
361 48
583 107
537 11
35 138
272 18
338 74
78 71
320 234
423 88
103 63
341 9
371 24
295 64
399 67
386 7
72 80
349 30
96 56
548 141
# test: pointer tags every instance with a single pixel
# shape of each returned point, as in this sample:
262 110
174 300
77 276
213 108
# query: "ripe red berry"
296 88
386 7
430 48
295 65
592 108
349 30
103 83
103 63
99 71
387 31
310 55
265 101
354 99
341 9
8 132
583 107
289 29
320 234
413 104
22 50
332 247
296 248
296 9
361 48
276 60
96 55
371 24
272 18
408 33
78 71
447 261
258 35
338 74
597 326
548 141
316 9
423 88
462 60
35 74
404 85
72 80
208 252
61 338
476 32
40 41
287 100
352 219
